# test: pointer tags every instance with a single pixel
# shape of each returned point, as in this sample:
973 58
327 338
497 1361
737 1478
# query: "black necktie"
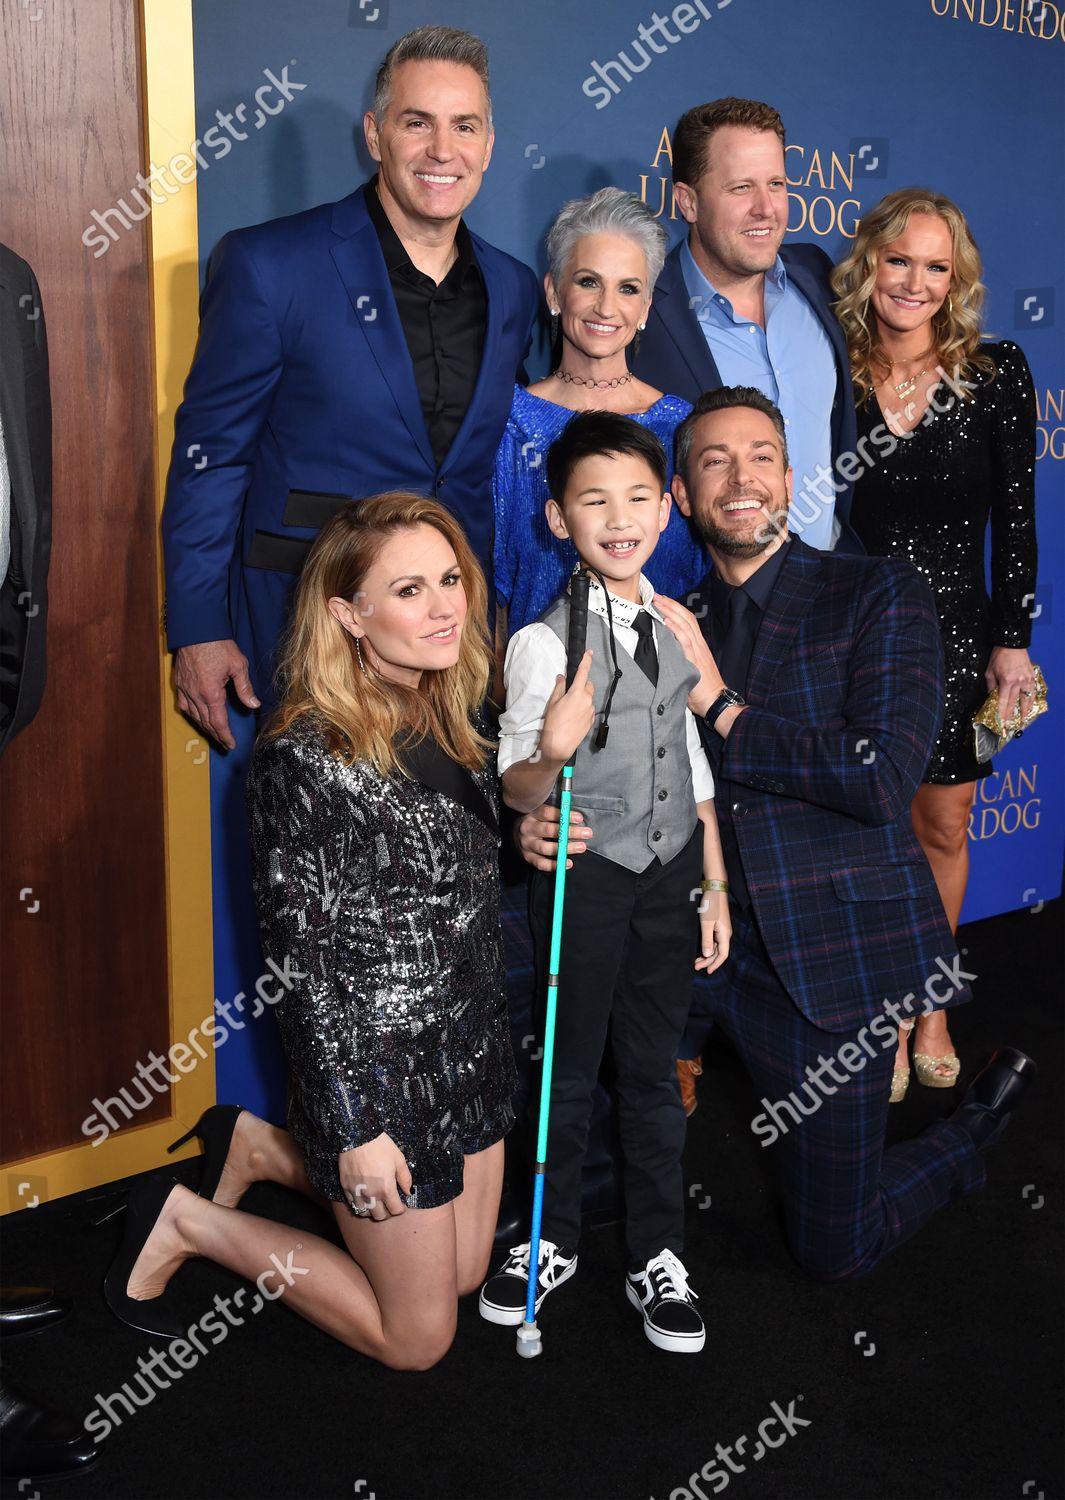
645 656
733 659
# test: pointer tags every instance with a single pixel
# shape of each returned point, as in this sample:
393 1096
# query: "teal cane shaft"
553 964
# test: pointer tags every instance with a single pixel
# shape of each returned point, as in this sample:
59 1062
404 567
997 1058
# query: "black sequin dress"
930 501
380 895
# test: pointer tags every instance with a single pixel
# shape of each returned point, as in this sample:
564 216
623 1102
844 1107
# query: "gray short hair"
431 44
609 211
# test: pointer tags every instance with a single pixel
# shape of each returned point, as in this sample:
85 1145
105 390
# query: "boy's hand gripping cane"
529 1341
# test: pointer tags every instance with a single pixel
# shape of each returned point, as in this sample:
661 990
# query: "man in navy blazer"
819 700
361 346
734 307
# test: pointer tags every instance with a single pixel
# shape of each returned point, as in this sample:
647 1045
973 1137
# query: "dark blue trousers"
848 1202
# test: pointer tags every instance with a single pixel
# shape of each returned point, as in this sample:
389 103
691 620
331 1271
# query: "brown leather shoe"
688 1070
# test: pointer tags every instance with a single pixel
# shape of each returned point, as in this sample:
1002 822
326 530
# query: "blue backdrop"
960 95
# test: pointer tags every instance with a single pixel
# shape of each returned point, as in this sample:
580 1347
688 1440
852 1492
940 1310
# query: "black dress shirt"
444 325
732 650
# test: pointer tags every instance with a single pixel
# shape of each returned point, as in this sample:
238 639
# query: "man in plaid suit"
819 702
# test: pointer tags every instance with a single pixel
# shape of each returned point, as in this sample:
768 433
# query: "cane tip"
529 1342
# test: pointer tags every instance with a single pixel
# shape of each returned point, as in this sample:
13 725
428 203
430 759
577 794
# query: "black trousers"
628 952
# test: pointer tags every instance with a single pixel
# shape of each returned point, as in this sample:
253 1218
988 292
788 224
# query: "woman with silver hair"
605 253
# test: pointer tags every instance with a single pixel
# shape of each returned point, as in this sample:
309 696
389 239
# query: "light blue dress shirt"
791 361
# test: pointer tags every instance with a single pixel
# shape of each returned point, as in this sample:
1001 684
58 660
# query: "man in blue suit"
361 346
732 307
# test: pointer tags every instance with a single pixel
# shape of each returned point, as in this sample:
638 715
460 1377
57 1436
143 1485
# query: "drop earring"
358 653
556 338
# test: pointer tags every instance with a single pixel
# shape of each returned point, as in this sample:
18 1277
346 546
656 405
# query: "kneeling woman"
372 799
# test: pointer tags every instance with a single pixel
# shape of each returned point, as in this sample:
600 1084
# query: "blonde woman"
946 435
373 815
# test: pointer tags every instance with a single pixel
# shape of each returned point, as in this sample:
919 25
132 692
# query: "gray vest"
637 790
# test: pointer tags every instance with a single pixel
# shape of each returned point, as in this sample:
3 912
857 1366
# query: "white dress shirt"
536 657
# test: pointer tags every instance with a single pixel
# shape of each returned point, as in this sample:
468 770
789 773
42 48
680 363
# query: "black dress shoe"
993 1094
39 1443
26 1309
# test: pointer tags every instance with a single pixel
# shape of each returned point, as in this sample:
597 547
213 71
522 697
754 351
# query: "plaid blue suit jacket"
846 695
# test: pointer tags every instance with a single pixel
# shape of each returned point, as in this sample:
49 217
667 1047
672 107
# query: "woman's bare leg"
396 1300
260 1152
476 1212
940 821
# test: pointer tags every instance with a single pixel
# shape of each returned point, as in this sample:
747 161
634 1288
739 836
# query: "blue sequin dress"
531 565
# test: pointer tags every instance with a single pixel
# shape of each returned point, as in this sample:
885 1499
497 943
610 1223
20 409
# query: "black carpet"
938 1376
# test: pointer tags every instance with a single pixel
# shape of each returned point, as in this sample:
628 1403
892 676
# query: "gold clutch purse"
990 735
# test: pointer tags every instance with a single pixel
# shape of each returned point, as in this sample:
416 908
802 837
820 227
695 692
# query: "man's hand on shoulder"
200 676
693 643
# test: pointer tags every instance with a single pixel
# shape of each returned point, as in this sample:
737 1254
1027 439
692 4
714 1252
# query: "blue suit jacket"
674 355
302 396
846 695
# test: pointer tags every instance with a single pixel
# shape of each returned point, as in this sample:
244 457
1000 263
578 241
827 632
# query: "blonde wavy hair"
956 327
360 712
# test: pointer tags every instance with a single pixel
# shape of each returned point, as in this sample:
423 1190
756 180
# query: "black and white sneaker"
503 1295
662 1294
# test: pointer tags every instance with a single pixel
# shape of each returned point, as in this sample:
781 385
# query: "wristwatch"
727 698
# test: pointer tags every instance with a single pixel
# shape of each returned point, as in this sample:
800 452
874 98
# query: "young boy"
631 926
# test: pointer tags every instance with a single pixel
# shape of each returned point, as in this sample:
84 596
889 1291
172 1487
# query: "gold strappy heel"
900 1078
926 1066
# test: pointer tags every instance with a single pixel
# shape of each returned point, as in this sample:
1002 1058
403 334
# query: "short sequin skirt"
437 1109
967 651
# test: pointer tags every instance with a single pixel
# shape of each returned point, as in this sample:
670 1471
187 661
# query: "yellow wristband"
713 885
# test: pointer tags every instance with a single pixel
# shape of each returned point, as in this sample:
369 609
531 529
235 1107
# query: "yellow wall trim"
169 120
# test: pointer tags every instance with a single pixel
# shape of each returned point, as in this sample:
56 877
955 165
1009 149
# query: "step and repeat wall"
962 96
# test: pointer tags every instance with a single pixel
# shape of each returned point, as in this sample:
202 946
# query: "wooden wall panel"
85 979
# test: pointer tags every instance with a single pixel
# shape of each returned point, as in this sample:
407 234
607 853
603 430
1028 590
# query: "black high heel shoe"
214 1130
146 1201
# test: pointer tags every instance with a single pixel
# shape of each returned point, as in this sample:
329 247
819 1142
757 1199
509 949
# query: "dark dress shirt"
733 646
444 325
